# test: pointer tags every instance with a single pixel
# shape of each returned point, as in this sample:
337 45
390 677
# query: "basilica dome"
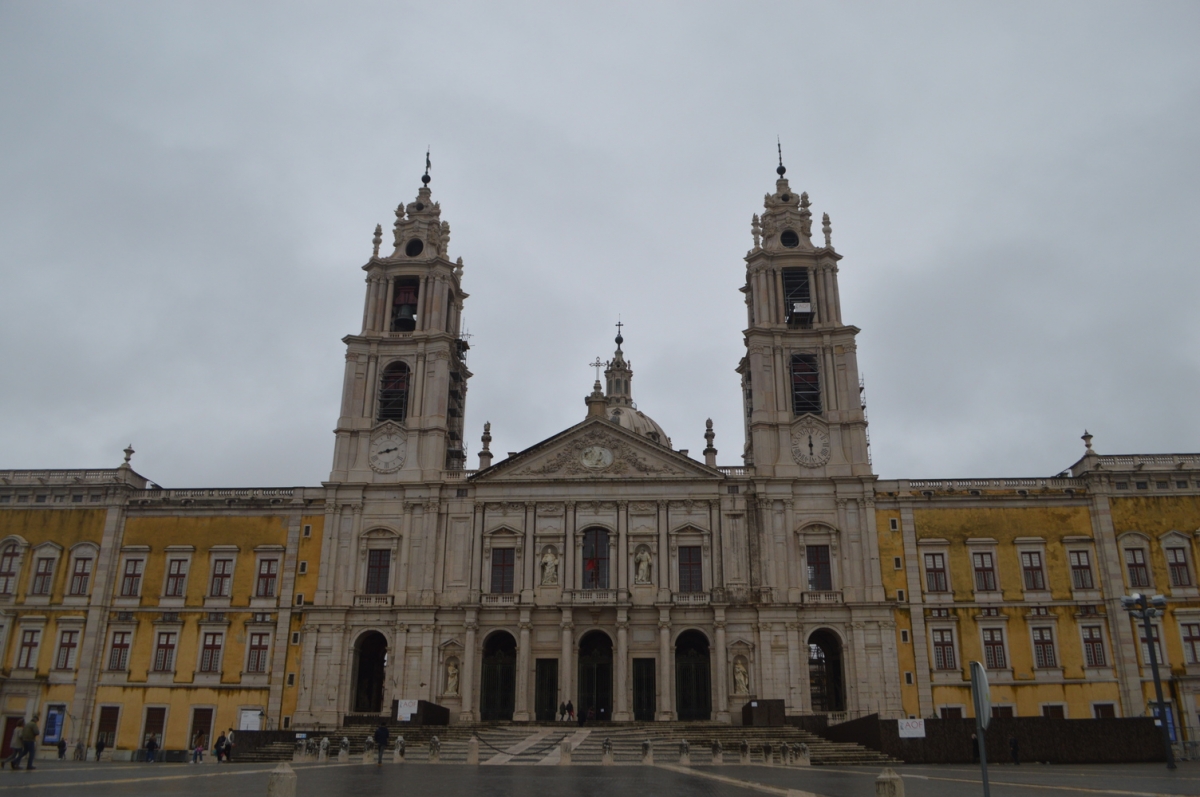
638 422
618 398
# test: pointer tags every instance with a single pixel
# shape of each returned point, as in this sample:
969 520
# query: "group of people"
566 713
23 742
223 749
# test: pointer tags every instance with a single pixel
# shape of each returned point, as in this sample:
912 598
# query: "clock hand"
387 450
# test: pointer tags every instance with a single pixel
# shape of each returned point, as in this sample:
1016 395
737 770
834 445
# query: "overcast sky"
189 191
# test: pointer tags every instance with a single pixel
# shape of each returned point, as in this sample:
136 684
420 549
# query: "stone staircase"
534 743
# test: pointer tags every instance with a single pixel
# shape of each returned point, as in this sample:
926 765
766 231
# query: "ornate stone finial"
485 453
782 170
1086 437
804 203
129 452
377 240
710 453
425 177
827 229
756 231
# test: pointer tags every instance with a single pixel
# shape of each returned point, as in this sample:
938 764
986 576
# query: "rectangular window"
935 573
176 577
257 662
156 723
1135 563
503 560
806 384
943 650
1093 646
27 656
8 570
1103 711
985 572
1191 642
222 575
690 579
1043 648
210 653
1081 570
80 576
43 577
993 649
1177 563
378 567
1031 566
164 652
68 643
797 298
1054 711
268 570
820 573
106 728
951 712
131 582
118 657
1146 647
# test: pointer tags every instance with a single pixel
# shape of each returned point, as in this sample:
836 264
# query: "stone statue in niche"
641 564
452 677
741 677
549 566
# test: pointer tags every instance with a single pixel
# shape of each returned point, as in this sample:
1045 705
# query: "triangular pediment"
597 449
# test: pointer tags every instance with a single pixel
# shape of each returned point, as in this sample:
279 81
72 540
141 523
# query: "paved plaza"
357 780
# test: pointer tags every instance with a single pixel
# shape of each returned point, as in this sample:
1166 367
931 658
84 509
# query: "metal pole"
1163 717
979 733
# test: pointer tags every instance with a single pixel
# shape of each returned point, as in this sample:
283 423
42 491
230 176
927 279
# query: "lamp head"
1158 601
1130 601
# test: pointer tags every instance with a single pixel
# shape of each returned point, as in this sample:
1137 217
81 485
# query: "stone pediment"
597 449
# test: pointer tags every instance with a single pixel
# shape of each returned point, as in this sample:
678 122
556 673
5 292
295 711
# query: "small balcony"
499 599
690 598
823 597
594 597
373 600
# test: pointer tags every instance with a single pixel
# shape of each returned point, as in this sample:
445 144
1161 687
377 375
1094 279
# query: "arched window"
595 559
806 384
8 569
393 392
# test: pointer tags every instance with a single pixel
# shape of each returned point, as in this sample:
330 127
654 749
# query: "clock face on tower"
810 445
388 451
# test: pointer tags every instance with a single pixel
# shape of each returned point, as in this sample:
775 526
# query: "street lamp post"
1145 608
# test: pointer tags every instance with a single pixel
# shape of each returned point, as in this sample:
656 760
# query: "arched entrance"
693 688
498 681
825 671
595 674
370 666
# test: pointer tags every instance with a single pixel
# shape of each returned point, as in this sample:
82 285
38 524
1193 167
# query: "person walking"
62 749
562 712
151 748
29 735
1014 748
570 711
219 748
100 747
975 748
381 741
14 743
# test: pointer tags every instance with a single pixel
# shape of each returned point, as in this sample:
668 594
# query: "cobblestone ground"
52 779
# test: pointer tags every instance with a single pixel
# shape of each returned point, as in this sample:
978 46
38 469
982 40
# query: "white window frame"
985 545
1085 545
1002 627
181 553
1094 622
214 553
1063 705
22 547
252 629
217 627
1175 539
953 632
1034 627
1160 648
1131 540
73 656
29 624
82 550
936 546
50 551
129 553
1034 545
264 553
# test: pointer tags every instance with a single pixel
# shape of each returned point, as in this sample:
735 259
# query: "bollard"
281 782
768 754
323 755
398 755
344 751
606 755
802 757
435 749
368 749
744 752
298 753
647 752
717 758
473 751
685 754
889 784
564 752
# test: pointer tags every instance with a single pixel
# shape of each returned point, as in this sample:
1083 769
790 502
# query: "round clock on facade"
388 451
810 445
596 457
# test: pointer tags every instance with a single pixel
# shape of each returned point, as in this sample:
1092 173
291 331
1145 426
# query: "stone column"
798 678
621 664
568 552
396 662
622 549
665 681
385 323
565 668
663 574
721 654
530 556
466 684
521 714
427 664
477 563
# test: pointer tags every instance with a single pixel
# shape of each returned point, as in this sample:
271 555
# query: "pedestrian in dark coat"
100 745
570 711
562 711
975 747
219 748
1014 748
381 741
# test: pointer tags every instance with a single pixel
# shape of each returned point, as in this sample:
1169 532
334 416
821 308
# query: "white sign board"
405 710
249 719
911 729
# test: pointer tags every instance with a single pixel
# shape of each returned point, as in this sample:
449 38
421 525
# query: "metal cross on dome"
597 365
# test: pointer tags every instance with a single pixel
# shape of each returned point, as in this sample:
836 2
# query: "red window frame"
935 573
222 576
1031 567
81 575
1081 570
1135 564
943 649
691 578
1093 646
210 652
68 643
985 571
43 576
27 655
164 651
257 661
993 649
131 581
268 574
1191 642
176 577
118 657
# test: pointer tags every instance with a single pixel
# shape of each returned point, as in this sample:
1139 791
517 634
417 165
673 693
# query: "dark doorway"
10 726
693 689
643 689
825 671
545 703
498 684
370 664
595 674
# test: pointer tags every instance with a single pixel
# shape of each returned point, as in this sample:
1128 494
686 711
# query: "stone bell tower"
405 388
800 384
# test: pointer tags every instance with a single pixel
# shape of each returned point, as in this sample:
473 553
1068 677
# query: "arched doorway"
370 666
825 671
693 688
498 682
595 674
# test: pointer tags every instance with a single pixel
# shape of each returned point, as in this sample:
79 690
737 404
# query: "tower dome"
618 398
